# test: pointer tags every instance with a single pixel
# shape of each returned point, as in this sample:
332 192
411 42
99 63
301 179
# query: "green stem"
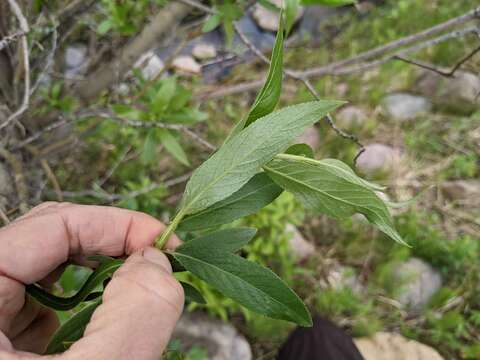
160 243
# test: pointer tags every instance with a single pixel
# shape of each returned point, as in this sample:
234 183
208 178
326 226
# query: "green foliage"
258 192
463 166
241 158
226 13
124 17
330 187
249 284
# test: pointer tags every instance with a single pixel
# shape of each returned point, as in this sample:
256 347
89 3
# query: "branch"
26 63
10 38
107 74
109 198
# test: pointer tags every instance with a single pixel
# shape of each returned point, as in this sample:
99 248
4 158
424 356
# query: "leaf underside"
330 187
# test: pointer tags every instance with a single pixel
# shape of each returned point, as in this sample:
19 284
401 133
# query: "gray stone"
221 340
340 277
377 158
351 116
204 51
75 56
186 64
268 19
404 106
301 248
391 346
457 94
310 137
150 65
419 281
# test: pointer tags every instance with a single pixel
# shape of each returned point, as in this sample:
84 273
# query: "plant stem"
160 243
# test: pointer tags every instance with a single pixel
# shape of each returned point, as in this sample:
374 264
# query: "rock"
418 283
462 189
341 277
268 19
150 64
456 94
75 56
402 106
186 64
221 340
310 137
301 248
351 116
377 158
204 51
390 346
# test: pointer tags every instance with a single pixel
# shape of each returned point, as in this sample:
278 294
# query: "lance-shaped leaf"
257 193
269 94
72 330
192 294
291 11
251 285
327 187
237 161
227 240
104 271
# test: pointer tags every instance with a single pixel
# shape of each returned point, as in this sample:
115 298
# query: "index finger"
35 245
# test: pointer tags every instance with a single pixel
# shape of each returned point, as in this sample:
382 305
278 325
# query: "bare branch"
26 63
10 38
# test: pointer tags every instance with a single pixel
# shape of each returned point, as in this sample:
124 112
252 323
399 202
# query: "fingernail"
157 257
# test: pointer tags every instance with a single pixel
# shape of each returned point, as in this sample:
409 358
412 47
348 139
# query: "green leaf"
327 187
255 287
148 155
164 95
173 146
212 22
101 273
328 2
301 150
104 27
257 193
269 95
237 161
192 294
227 240
291 11
72 330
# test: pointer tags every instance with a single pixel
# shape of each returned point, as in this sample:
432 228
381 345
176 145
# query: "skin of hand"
141 304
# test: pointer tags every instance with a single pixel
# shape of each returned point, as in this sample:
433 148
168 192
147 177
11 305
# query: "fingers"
140 308
35 338
12 299
39 242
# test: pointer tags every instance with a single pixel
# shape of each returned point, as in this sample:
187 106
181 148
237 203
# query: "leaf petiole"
160 243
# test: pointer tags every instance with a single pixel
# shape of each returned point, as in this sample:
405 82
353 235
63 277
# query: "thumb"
141 305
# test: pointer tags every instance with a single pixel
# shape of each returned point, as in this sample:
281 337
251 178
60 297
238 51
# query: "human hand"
141 304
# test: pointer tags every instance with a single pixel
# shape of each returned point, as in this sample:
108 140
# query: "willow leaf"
269 94
300 150
101 273
72 330
257 193
326 187
251 285
227 240
237 161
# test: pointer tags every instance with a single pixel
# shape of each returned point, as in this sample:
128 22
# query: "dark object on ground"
323 341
